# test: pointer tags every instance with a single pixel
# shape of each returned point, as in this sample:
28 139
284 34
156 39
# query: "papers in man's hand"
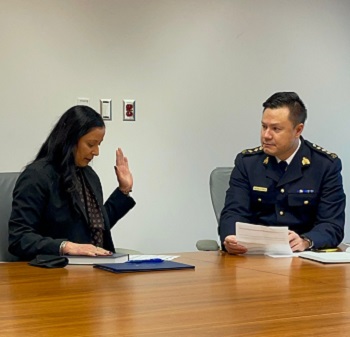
263 239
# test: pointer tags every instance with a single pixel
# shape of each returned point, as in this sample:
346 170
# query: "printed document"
265 240
149 257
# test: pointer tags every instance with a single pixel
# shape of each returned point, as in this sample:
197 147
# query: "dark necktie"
282 165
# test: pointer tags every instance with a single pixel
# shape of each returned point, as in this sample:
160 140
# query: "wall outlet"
129 110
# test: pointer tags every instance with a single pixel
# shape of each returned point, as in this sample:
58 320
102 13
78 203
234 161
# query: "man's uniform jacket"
308 198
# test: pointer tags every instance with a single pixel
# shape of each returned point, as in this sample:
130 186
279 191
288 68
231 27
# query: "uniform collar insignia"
266 161
305 161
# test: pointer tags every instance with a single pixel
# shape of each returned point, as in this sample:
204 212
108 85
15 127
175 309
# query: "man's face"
88 146
279 137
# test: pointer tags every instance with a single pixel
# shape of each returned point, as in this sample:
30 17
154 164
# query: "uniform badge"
259 188
266 161
305 161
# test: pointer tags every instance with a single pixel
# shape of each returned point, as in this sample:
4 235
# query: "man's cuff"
311 243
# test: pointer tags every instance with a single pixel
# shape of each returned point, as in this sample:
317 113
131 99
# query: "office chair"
218 184
7 184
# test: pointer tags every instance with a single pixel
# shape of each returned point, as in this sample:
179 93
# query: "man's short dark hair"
297 109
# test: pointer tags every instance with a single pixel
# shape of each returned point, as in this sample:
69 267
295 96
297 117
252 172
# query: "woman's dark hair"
59 147
297 109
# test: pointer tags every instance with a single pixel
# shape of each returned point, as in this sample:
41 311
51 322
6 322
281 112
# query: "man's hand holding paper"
257 239
232 246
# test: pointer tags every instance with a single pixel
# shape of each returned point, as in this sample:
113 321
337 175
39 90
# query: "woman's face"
88 146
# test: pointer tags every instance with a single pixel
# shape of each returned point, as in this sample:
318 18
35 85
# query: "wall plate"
128 110
83 101
106 109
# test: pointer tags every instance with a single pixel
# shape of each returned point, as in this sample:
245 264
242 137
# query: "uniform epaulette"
255 150
322 150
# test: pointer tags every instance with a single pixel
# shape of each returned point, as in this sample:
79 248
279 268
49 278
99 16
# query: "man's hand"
232 247
123 173
297 243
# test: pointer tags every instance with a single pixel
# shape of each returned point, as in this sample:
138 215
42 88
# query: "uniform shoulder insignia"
322 150
255 150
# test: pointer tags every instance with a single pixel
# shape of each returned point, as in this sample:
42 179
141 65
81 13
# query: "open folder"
128 267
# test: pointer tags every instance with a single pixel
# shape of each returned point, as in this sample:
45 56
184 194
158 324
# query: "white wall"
199 71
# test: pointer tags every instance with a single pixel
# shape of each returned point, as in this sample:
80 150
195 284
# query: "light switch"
106 109
129 110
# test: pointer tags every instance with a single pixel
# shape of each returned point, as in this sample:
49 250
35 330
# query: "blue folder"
144 266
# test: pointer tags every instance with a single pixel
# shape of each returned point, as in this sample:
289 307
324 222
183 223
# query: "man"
306 194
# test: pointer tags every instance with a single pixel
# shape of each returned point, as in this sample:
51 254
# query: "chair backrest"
7 184
219 183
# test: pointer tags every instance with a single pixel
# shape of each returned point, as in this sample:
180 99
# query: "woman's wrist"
124 190
63 248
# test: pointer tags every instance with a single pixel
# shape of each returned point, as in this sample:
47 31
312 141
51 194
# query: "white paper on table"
265 240
149 257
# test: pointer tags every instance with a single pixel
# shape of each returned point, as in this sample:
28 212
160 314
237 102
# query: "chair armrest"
207 245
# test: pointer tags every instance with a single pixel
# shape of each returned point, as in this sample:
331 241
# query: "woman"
58 205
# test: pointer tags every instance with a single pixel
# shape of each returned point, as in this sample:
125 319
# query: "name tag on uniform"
259 188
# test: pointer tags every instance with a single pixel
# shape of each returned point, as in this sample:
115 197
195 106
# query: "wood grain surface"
224 296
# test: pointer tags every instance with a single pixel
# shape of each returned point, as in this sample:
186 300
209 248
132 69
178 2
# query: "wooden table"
224 296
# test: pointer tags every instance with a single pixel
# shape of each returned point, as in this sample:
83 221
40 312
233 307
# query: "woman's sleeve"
30 196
